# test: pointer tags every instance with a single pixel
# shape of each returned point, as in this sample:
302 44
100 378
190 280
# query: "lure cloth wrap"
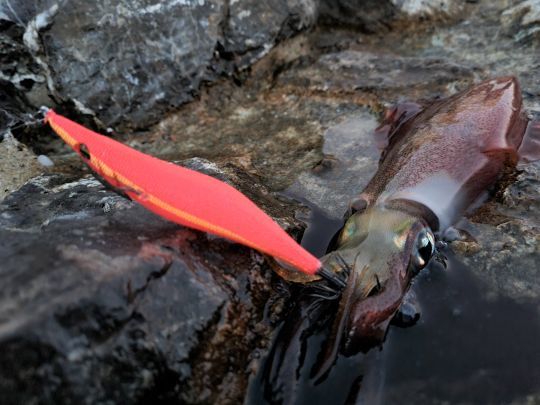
181 195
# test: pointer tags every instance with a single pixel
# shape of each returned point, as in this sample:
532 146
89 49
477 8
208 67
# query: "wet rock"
375 16
389 76
505 258
103 301
273 134
522 21
507 232
17 164
370 15
127 62
350 159
520 198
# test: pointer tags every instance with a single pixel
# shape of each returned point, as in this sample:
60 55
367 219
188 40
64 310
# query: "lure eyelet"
83 150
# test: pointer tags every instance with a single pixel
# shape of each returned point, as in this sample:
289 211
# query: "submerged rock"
350 159
506 245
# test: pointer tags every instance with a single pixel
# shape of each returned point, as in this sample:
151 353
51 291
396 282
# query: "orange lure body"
182 195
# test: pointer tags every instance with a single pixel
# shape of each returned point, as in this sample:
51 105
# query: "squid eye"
423 249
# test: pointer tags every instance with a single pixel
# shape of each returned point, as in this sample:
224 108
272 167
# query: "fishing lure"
185 196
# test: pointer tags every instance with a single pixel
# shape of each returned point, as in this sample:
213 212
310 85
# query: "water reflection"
466 348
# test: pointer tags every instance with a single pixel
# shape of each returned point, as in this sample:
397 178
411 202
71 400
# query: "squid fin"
529 150
394 118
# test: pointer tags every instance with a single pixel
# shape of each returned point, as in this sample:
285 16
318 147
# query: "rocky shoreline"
103 302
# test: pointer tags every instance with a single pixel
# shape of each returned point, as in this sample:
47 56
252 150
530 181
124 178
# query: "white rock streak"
165 6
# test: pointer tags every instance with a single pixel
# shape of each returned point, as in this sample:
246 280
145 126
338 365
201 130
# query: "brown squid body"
437 162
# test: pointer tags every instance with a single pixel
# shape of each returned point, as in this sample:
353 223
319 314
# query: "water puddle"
350 160
467 347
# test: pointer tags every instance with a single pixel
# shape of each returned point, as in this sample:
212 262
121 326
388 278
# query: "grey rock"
379 16
129 62
522 21
390 76
369 15
429 8
280 19
17 66
103 301
505 259
520 199
14 109
506 248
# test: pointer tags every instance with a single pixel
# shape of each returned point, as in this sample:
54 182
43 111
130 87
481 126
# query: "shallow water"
466 347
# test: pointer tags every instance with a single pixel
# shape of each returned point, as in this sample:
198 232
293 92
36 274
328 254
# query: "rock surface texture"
120 304
103 302
130 62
